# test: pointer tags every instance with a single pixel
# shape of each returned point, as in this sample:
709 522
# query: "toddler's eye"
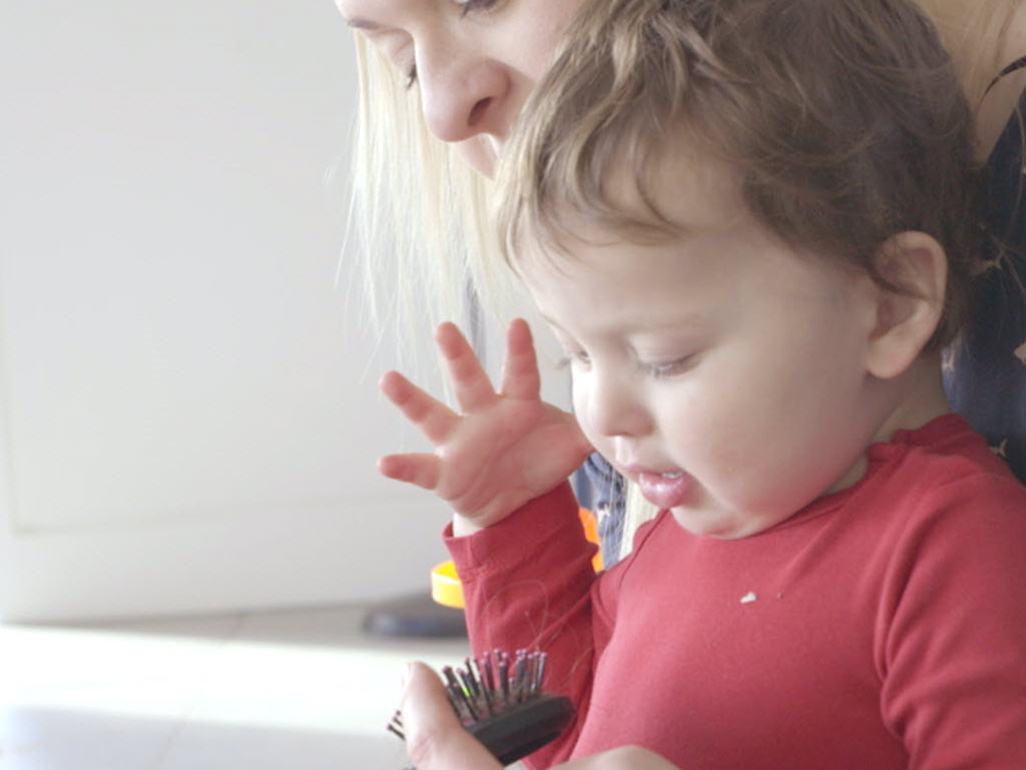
670 368
475 5
578 357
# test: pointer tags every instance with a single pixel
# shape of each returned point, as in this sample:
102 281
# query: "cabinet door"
189 417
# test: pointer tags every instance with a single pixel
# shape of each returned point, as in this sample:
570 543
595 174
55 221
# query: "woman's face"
475 62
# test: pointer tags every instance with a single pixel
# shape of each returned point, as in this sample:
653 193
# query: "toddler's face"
720 371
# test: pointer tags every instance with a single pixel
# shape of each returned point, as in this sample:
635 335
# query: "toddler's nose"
614 409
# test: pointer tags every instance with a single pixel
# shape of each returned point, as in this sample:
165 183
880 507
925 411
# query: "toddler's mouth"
664 490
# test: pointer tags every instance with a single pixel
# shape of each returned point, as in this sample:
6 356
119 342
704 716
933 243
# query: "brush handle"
523 729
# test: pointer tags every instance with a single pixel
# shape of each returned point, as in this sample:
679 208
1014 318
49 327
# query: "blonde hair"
975 40
418 211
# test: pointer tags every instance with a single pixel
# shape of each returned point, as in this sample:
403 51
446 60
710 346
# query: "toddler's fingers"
433 418
470 383
420 469
520 377
435 740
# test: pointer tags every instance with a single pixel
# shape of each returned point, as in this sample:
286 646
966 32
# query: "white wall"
188 411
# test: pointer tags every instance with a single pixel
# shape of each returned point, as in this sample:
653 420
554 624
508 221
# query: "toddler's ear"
907 319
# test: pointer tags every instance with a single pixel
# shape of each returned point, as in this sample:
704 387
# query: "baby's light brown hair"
843 122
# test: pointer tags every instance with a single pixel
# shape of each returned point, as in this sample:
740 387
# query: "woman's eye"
466 6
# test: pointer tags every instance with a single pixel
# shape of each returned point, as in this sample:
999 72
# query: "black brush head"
524 728
499 700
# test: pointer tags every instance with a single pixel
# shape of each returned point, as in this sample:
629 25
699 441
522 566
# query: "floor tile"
260 691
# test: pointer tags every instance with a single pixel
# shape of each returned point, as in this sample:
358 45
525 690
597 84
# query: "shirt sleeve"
951 641
527 584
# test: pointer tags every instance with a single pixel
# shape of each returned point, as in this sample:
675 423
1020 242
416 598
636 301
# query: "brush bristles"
489 685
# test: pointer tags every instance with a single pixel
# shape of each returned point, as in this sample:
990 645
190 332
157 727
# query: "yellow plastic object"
446 588
445 585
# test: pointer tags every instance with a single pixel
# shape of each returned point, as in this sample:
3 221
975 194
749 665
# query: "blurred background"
189 417
192 529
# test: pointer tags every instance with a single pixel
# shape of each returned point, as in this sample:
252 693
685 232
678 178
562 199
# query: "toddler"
746 222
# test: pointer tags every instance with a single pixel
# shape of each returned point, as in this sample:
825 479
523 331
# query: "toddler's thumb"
435 739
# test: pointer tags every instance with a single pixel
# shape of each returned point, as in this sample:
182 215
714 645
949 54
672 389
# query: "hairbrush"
499 700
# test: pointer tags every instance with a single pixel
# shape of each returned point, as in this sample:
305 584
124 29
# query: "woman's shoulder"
1002 180
985 371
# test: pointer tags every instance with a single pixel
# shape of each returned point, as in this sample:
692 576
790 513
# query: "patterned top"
985 373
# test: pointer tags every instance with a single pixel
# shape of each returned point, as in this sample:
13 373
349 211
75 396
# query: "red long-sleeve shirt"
882 627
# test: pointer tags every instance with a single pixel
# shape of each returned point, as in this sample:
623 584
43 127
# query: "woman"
447 79
459 72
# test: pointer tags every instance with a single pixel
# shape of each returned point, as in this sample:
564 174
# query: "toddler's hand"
435 740
502 449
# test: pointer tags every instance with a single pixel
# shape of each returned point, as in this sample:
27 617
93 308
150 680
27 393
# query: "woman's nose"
463 94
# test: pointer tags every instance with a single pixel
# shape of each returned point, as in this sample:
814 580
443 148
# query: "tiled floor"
297 690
